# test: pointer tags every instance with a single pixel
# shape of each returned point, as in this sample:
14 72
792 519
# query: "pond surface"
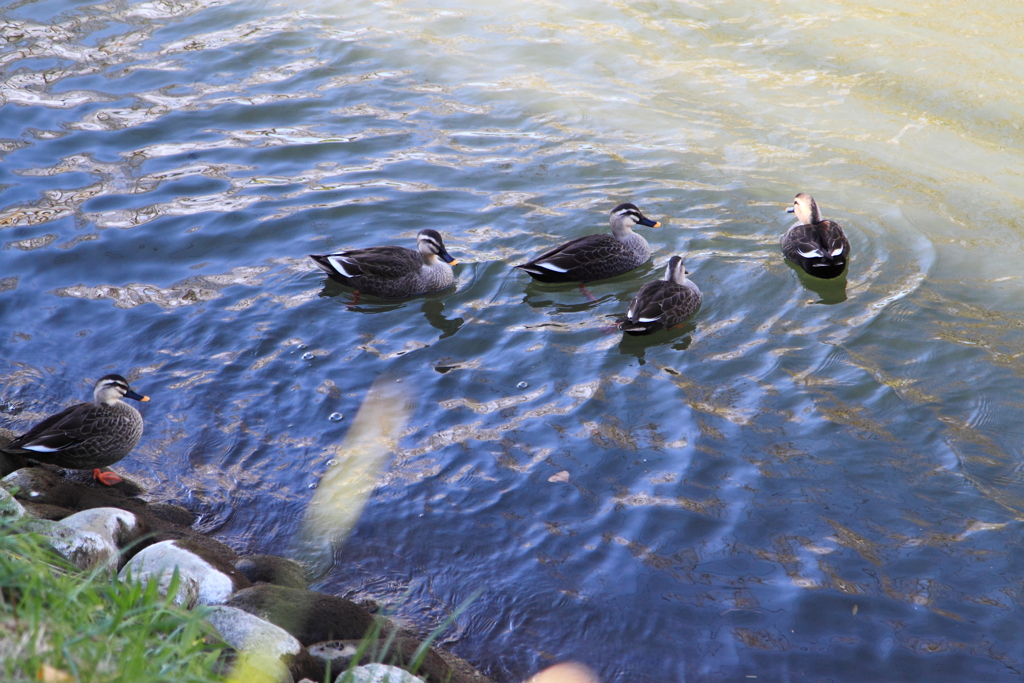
808 481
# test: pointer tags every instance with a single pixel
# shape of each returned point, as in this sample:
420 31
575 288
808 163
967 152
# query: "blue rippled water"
806 482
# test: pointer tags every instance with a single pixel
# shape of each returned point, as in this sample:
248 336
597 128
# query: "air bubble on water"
522 385
336 417
313 485
303 346
308 356
332 462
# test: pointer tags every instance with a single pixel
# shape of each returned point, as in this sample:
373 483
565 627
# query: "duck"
88 435
393 272
663 303
596 257
818 246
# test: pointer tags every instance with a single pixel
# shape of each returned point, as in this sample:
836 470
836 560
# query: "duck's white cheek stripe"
551 266
814 253
339 265
40 449
837 252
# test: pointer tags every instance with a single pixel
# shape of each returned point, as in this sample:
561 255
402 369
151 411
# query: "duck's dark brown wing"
801 242
834 239
591 257
375 262
52 434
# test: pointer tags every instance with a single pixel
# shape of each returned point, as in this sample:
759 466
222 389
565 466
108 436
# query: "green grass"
91 627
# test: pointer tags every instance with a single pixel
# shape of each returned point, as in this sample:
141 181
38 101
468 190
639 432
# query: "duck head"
625 216
806 209
431 246
112 388
675 271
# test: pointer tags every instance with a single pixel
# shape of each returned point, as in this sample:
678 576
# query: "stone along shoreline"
258 603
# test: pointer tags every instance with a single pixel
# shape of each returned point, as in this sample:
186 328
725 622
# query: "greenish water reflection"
807 479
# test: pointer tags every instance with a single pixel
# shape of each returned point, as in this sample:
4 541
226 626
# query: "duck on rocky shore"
88 435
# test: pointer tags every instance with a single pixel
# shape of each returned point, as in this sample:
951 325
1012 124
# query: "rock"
272 569
204 580
438 666
367 603
175 514
118 528
10 508
127 486
334 655
461 670
31 484
247 633
377 673
311 617
232 666
44 511
84 549
46 485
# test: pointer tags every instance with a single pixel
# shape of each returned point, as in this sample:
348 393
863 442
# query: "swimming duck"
393 272
87 435
662 303
596 257
818 246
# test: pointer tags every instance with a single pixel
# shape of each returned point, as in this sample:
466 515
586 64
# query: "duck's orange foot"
108 478
586 292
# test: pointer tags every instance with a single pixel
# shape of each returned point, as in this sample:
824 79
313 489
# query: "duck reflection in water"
679 337
544 298
565 297
431 306
830 291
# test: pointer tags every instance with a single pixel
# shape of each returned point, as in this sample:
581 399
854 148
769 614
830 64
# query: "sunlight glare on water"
807 479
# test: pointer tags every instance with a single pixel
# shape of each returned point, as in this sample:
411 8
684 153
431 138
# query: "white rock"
201 582
258 642
10 509
377 673
31 482
84 549
118 528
